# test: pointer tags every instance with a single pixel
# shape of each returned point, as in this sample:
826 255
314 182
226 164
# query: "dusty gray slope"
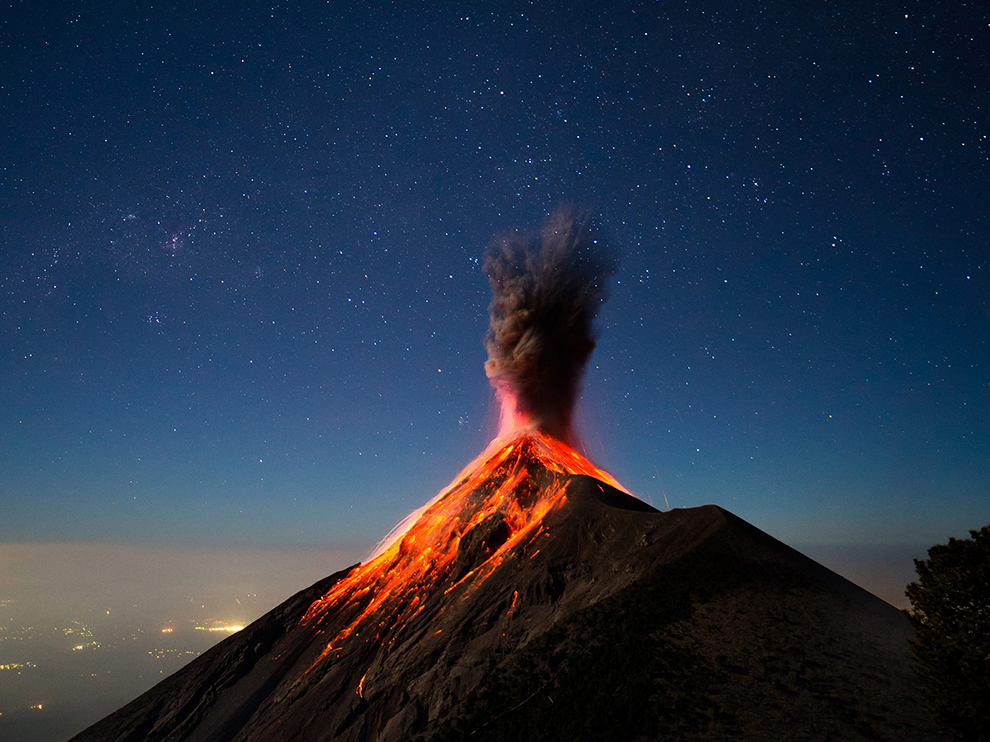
614 622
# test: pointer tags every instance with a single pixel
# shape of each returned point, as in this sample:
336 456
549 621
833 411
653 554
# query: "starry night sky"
241 292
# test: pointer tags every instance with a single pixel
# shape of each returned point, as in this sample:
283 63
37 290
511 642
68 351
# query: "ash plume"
547 289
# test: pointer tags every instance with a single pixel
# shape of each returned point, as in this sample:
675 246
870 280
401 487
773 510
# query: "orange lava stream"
495 502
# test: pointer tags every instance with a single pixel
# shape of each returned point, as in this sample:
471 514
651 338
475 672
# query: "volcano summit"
534 599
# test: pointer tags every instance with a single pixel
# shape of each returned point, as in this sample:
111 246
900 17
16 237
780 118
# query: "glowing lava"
455 541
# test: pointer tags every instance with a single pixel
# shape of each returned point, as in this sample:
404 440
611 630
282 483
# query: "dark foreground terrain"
612 622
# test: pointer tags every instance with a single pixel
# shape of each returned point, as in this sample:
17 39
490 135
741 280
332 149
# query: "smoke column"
547 289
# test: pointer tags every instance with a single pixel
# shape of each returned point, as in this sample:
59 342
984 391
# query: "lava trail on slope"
456 541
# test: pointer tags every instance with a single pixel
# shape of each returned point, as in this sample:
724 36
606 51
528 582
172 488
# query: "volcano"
535 599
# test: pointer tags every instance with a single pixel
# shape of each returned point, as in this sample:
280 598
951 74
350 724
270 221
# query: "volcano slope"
534 601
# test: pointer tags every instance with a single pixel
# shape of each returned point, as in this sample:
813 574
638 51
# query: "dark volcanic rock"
612 622
478 544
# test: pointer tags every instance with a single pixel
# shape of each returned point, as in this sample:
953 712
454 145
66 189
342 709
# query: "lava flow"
456 540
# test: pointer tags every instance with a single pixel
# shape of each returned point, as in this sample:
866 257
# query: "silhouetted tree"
951 614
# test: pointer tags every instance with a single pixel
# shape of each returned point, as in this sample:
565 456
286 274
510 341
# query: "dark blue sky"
241 293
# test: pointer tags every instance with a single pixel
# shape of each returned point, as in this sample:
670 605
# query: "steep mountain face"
534 600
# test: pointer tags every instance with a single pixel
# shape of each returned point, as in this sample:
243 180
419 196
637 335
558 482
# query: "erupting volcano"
535 599
546 292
